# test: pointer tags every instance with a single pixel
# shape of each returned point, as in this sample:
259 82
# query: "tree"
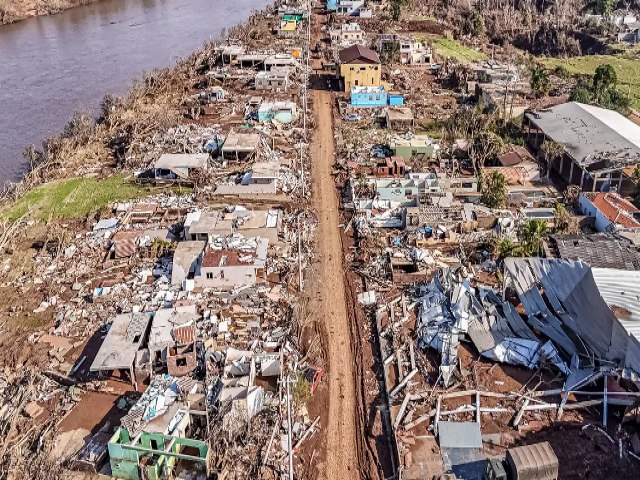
505 247
395 10
540 83
614 99
552 151
605 7
473 24
562 218
580 94
494 189
483 147
532 234
604 78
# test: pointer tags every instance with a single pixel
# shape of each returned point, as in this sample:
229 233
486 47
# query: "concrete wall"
587 208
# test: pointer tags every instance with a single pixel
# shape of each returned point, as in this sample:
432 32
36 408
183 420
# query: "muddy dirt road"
341 454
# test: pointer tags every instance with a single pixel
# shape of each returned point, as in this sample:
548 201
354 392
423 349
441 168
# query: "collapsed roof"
573 313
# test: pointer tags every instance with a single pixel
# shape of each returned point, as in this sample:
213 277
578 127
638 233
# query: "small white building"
348 34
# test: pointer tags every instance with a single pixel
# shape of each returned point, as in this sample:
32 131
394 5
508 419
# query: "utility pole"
289 442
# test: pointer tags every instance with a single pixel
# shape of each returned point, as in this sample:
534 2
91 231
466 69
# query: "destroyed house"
240 146
390 167
398 118
261 179
207 226
233 262
153 455
612 213
597 336
281 112
187 258
171 166
275 79
287 28
279 61
170 328
228 54
601 147
119 351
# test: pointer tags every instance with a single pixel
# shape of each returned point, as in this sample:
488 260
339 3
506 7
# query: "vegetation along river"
51 66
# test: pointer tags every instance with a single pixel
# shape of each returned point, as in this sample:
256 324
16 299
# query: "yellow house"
359 67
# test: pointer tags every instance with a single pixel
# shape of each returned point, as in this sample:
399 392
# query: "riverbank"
12 11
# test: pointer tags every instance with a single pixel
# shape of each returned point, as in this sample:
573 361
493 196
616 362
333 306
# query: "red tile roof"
615 208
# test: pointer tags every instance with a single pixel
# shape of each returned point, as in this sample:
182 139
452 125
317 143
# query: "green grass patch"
76 197
627 69
448 47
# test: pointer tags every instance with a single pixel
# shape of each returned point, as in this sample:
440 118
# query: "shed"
533 462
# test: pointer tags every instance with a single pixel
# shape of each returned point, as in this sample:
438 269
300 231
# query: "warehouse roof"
590 134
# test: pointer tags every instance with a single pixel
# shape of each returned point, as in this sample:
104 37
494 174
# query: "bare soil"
341 431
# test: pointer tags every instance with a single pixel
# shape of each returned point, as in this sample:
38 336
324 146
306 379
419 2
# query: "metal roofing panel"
459 435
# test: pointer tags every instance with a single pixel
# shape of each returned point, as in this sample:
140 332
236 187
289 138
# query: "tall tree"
540 83
604 78
494 189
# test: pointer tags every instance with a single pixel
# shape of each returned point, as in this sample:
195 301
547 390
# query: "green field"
75 197
627 68
447 47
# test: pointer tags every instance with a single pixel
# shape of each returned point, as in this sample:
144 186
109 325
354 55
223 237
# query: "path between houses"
341 460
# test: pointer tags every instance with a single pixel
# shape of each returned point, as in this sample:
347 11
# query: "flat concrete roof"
182 160
119 348
241 142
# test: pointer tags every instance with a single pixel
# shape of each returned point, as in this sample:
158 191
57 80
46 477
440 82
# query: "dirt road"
341 450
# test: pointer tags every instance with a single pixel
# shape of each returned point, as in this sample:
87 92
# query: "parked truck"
528 462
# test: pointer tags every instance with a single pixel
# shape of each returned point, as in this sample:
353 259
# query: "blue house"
332 5
369 96
396 99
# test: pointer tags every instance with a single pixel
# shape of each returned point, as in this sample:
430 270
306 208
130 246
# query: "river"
51 66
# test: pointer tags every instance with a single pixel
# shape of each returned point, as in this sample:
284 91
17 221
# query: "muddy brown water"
52 66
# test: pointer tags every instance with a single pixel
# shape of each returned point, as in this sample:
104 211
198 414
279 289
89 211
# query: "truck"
528 462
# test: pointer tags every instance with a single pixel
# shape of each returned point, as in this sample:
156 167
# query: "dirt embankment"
15 10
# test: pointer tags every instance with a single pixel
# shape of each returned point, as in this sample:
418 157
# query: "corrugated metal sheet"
621 290
459 435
